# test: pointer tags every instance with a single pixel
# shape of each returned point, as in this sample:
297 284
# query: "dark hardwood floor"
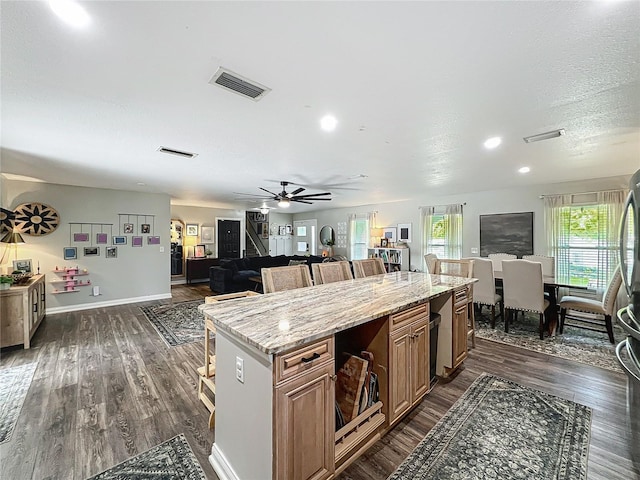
107 388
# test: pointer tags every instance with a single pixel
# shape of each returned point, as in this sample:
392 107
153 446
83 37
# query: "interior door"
228 238
304 237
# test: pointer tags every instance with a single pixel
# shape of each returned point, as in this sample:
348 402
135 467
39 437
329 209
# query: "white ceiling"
416 87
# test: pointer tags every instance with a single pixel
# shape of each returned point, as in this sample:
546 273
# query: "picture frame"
91 251
404 232
191 230
70 253
23 265
111 252
282 230
206 234
289 230
102 238
136 241
80 237
198 251
128 228
390 234
119 240
384 243
265 230
506 233
153 240
145 228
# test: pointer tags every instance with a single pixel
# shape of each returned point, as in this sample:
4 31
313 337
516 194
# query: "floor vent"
179 153
238 84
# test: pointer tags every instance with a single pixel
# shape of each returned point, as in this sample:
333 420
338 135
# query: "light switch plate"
240 369
474 250
161 249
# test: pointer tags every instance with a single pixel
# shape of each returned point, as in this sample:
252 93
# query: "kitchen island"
276 361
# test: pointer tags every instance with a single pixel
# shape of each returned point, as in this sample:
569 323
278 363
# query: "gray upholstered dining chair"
548 263
430 261
497 259
594 309
523 289
330 272
368 267
484 290
278 279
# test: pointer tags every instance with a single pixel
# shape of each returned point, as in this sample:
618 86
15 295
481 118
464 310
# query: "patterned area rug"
177 323
14 385
501 430
584 346
171 460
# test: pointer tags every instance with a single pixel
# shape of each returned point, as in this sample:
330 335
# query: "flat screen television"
506 233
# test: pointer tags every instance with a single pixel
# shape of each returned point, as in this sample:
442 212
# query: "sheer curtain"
453 242
557 236
359 226
447 242
426 215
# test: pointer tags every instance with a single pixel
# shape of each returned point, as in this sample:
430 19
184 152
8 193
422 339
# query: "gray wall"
521 199
138 273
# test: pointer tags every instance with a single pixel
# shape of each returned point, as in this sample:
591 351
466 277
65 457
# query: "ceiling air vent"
544 136
179 153
238 84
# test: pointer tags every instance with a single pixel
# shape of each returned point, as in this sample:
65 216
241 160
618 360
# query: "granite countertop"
278 322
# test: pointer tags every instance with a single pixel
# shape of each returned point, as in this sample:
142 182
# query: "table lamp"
13 238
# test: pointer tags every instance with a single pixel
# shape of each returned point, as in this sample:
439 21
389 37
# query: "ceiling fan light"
264 210
284 203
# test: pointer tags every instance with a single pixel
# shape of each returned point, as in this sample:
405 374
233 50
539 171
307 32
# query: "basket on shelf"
21 278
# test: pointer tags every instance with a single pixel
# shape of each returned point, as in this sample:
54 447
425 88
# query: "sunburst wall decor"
6 219
35 219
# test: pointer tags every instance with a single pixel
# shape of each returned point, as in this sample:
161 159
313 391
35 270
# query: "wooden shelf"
65 291
353 433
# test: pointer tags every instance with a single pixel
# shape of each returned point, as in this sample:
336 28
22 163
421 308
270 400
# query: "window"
443 231
584 237
359 235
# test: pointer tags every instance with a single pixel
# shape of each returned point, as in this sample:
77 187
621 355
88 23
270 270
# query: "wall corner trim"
220 464
109 303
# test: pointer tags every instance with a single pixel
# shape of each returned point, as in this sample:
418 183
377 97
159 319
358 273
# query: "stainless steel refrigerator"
628 350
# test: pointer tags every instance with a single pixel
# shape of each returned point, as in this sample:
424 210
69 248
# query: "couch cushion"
244 275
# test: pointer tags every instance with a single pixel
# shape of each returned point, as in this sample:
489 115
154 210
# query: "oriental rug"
14 385
177 323
171 460
499 429
584 346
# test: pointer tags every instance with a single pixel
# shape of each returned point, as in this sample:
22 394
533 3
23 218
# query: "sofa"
232 275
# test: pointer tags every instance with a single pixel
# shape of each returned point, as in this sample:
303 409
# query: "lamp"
264 210
284 202
376 234
13 238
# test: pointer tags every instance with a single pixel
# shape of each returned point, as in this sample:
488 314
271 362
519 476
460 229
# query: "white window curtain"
583 236
442 230
359 232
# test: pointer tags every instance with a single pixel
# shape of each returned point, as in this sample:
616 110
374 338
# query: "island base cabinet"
304 440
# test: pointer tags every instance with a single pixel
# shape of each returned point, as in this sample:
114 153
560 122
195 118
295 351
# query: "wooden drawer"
405 317
462 295
299 361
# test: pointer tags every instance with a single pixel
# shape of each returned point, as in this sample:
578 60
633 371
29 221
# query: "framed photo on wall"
404 232
384 243
70 253
111 252
390 234
191 230
206 234
136 241
91 251
119 240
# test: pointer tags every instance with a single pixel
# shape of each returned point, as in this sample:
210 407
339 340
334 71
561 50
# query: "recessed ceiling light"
141 184
492 142
328 123
524 170
70 12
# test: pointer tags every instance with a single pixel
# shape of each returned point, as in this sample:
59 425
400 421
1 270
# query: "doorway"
177 257
304 237
230 243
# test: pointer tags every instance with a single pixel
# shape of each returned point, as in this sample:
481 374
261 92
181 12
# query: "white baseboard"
109 303
220 465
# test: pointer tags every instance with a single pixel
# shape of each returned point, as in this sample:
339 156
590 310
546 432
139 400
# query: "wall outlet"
161 249
240 369
474 250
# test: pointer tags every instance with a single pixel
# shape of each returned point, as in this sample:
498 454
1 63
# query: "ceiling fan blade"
301 201
297 191
277 195
313 195
250 194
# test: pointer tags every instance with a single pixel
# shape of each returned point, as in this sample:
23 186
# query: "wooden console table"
198 268
277 358
22 308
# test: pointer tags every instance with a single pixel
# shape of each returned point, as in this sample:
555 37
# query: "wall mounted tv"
506 233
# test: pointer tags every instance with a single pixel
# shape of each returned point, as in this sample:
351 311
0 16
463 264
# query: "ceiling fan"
285 198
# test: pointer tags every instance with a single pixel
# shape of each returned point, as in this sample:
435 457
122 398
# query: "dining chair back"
430 261
497 259
523 289
278 279
330 272
596 310
456 268
484 290
368 267
548 263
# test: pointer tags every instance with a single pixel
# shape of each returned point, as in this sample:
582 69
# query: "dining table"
551 286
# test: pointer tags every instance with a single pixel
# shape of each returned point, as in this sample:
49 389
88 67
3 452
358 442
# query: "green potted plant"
5 282
208 252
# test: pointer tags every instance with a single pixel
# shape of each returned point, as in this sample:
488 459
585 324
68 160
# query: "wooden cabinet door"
399 373
419 359
304 437
460 318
